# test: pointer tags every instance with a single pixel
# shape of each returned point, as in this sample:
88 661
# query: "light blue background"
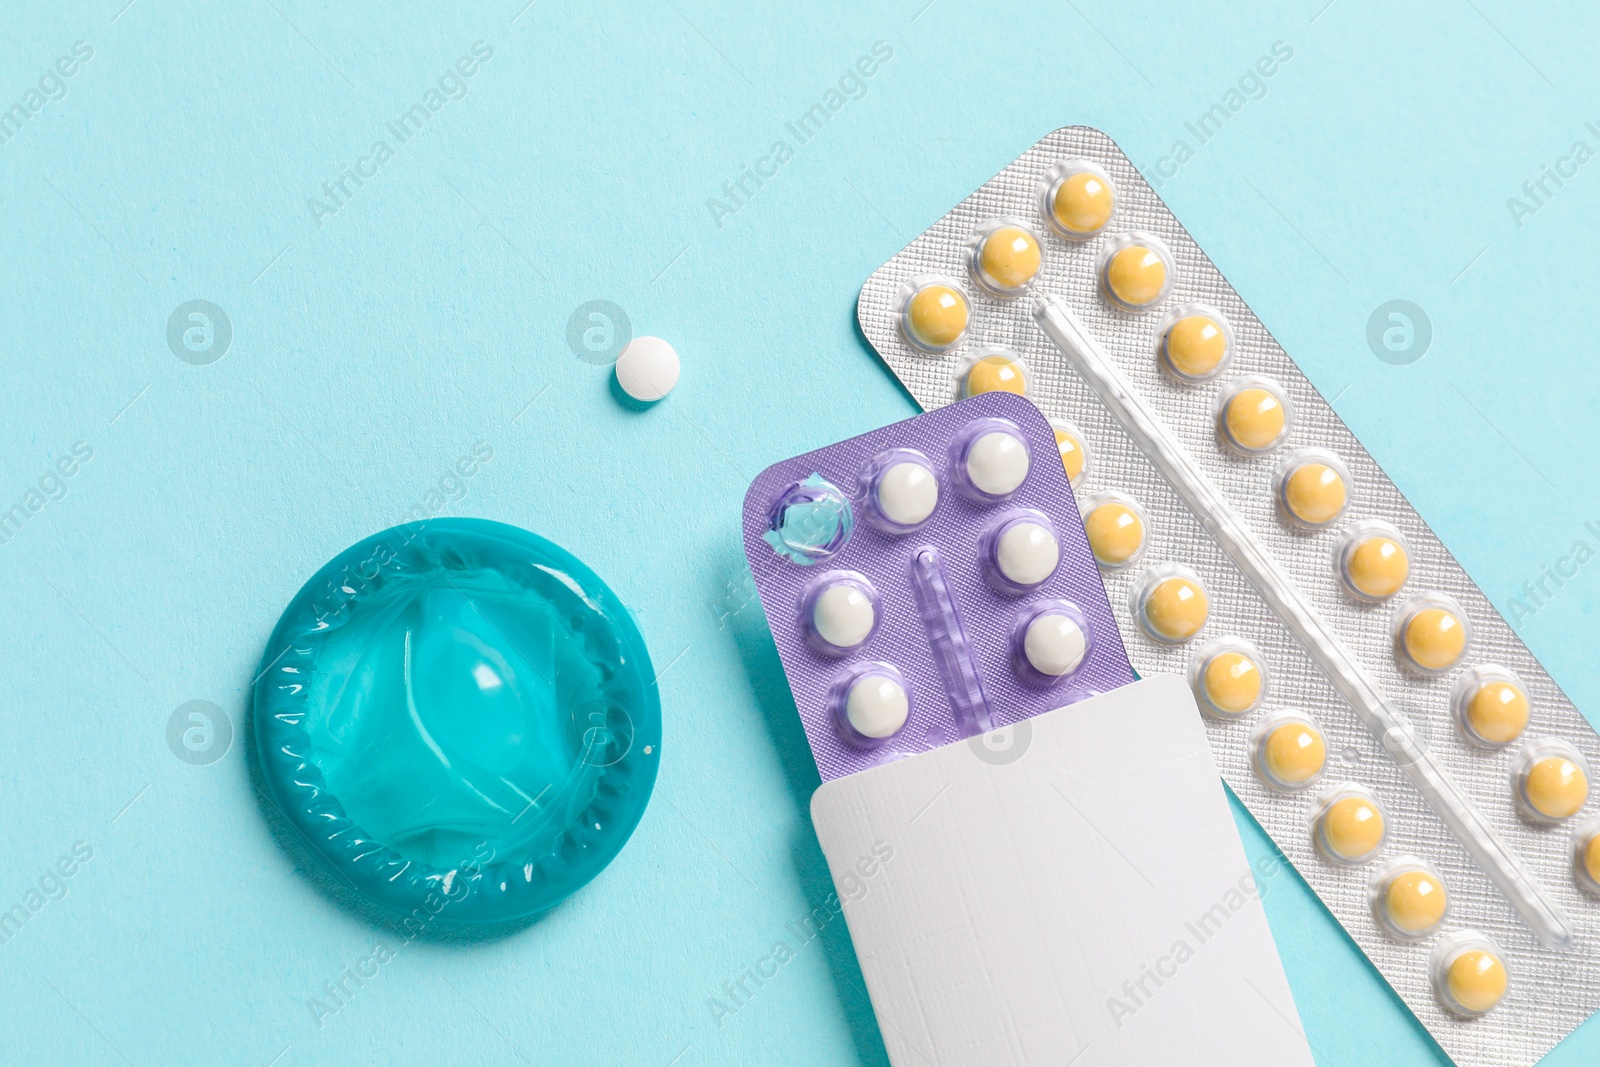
430 311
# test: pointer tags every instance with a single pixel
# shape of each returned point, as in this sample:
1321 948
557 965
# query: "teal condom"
461 719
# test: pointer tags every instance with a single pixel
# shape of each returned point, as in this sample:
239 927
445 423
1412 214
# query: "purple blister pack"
928 582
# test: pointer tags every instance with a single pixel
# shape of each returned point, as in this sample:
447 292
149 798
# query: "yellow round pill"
1255 419
996 373
1378 566
1435 638
1415 902
1196 346
1294 754
1315 494
1073 456
1176 608
1498 712
1082 204
1232 682
1116 532
1136 276
1590 856
1476 980
936 316
1352 828
1009 258
1556 787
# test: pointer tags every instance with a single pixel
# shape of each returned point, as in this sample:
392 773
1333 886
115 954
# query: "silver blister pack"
1449 806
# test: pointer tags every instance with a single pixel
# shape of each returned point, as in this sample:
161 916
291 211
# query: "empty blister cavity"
901 488
1115 526
1312 488
871 702
810 521
1409 899
935 312
991 459
1050 641
1170 603
1194 342
1229 677
1288 751
1077 199
1586 855
1074 453
1004 257
992 369
1253 415
1469 974
839 612
1019 552
1136 271
1550 781
1491 705
1431 633
1349 825
1372 560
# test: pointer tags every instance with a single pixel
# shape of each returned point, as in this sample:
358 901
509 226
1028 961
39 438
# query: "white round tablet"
647 369
907 493
1027 553
1054 644
843 615
877 706
997 463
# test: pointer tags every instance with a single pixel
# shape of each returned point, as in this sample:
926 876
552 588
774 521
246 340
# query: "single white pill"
1027 553
907 493
647 369
997 463
1054 644
843 616
877 706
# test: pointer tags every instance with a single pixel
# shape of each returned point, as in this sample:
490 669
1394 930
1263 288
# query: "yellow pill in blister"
1590 857
1415 902
1255 419
1073 456
1196 345
1294 754
936 316
1010 258
1435 638
1378 567
1232 682
1556 787
1352 829
1315 494
1115 531
1476 980
1498 712
1082 204
996 373
1137 275
1175 608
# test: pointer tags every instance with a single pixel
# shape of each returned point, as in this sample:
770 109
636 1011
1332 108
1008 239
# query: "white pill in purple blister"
907 493
876 706
997 463
1027 553
843 615
1054 644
